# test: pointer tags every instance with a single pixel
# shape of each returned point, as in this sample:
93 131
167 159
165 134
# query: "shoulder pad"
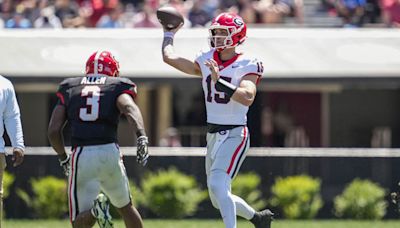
127 81
255 66
203 54
68 82
125 85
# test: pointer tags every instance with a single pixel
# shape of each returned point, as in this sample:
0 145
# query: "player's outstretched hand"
142 153
65 165
213 66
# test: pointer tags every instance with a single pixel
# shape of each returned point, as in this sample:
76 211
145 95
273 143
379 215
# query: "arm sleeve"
12 120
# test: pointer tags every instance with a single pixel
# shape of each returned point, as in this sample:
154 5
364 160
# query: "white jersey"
10 116
220 108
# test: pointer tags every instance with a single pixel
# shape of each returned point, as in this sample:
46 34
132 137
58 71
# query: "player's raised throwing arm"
171 58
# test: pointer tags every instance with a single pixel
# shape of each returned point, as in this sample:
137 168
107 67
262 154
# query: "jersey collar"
222 64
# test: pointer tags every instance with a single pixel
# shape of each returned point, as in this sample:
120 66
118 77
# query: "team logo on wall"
238 21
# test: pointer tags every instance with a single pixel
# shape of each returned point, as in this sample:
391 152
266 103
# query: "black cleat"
263 219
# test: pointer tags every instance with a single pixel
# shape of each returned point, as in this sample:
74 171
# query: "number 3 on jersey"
91 111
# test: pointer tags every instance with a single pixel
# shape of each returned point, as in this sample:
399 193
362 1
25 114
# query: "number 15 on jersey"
219 96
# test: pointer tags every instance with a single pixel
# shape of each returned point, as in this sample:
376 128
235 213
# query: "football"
169 17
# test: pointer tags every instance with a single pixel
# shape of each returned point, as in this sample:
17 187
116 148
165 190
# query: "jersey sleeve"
199 59
128 87
254 67
62 93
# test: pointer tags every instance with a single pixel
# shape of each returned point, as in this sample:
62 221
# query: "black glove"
65 165
142 153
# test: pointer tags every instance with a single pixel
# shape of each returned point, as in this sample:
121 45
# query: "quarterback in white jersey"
229 82
232 71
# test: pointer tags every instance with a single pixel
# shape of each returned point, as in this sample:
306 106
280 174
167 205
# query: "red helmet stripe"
217 18
102 62
96 61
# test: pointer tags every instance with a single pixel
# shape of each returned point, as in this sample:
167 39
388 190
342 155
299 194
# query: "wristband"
225 87
169 35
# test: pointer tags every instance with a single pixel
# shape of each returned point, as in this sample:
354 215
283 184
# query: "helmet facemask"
227 40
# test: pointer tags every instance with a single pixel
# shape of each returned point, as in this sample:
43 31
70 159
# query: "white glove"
142 153
65 165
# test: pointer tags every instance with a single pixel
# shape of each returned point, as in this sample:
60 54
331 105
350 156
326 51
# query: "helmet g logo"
238 21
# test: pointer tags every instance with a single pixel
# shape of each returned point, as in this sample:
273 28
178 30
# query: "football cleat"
101 211
263 219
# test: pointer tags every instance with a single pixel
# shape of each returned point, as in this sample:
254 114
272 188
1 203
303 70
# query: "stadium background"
324 86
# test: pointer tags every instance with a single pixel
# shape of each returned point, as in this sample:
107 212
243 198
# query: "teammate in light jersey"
229 82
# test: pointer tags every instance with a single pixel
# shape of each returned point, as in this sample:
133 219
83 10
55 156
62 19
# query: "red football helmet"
235 27
102 63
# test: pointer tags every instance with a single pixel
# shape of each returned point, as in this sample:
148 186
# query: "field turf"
214 224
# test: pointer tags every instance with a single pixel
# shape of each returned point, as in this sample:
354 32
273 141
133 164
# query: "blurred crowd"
198 13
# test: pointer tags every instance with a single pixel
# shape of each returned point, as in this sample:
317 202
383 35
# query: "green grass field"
214 224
